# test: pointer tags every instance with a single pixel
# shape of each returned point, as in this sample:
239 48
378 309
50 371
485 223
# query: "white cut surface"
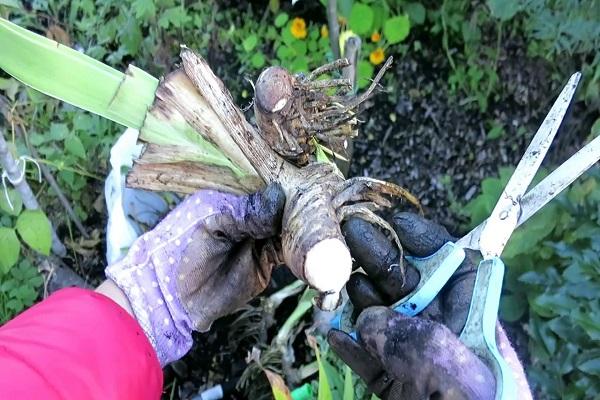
328 265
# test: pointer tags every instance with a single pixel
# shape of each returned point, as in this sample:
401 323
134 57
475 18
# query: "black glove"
401 357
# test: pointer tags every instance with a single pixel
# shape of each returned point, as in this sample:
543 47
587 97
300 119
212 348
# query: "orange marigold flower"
298 28
375 37
324 31
377 56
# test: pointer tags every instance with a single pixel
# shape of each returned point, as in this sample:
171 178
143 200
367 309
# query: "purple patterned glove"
207 258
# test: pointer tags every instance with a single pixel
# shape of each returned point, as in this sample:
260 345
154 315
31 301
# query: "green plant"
557 30
382 26
335 379
465 26
19 288
300 45
32 227
552 282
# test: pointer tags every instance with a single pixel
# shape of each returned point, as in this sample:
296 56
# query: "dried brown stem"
365 95
269 165
327 83
329 67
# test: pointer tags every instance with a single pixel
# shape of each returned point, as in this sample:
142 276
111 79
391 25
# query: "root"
309 220
368 93
328 83
329 67
360 188
357 190
303 109
317 196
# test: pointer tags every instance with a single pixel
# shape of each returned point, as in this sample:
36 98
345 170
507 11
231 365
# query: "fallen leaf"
280 390
58 34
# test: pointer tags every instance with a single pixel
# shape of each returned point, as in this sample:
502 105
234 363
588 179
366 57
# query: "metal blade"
504 218
546 190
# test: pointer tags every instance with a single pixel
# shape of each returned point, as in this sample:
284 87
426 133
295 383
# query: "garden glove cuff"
204 260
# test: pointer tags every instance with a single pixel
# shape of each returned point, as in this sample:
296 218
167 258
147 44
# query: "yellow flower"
375 37
298 28
324 31
377 56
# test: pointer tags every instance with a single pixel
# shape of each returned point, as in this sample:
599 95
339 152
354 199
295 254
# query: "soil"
438 148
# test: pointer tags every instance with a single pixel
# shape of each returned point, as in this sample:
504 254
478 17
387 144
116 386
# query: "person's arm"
113 292
77 344
207 258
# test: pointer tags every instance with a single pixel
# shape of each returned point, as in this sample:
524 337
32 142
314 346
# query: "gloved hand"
205 259
413 358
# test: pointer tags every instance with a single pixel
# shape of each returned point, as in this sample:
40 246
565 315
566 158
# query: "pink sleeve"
77 344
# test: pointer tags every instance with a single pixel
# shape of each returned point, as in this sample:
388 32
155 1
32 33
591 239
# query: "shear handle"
479 333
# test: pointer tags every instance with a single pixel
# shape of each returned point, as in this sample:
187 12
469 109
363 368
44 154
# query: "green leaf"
416 12
348 384
281 19
76 78
250 43
512 307
58 131
300 47
553 304
320 154
144 9
503 9
10 248
15 200
300 64
533 232
176 16
131 37
590 322
365 73
274 5
83 122
34 228
361 19
286 35
11 3
396 29
496 132
591 366
324 387
74 146
15 305
258 60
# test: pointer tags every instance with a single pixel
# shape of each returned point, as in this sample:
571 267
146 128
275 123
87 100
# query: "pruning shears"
512 209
